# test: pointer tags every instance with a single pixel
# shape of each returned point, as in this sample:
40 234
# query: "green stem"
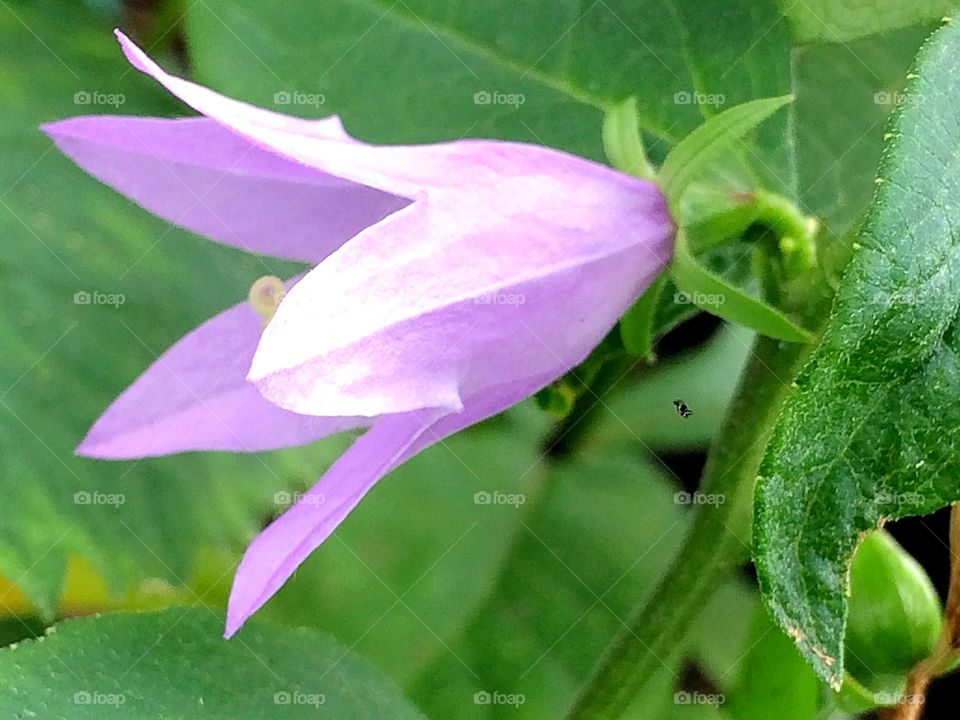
574 429
784 217
717 542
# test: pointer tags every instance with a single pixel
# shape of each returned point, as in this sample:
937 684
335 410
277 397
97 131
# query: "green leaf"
730 261
845 93
175 664
408 72
842 20
622 141
709 142
709 292
863 438
773 680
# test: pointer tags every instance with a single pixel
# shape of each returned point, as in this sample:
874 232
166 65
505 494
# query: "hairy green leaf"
845 94
871 432
842 20
175 664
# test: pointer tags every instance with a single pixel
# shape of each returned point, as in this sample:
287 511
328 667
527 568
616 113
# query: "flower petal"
199 175
442 300
405 170
279 549
196 397
283 134
274 555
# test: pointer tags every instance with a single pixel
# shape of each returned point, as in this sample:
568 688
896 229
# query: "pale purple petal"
279 549
292 137
196 397
404 170
453 295
199 175
277 552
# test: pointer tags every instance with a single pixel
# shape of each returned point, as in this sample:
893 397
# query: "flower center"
265 296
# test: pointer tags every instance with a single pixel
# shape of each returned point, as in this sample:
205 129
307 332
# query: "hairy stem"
717 542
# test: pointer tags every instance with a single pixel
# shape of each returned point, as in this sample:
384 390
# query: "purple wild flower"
450 281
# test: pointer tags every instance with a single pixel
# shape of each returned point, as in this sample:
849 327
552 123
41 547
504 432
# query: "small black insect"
682 409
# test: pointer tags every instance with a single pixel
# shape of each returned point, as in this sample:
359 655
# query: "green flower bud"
894 619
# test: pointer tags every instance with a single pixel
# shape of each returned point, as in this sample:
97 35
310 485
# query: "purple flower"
450 282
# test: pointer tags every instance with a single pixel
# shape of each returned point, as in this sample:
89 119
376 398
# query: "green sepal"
622 141
636 325
702 288
690 157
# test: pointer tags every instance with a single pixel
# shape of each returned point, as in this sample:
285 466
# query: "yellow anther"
265 296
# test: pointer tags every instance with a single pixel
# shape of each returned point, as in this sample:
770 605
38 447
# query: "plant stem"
716 543
574 429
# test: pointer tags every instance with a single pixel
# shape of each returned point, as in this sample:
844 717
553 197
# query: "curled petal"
408 171
196 397
199 175
287 542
